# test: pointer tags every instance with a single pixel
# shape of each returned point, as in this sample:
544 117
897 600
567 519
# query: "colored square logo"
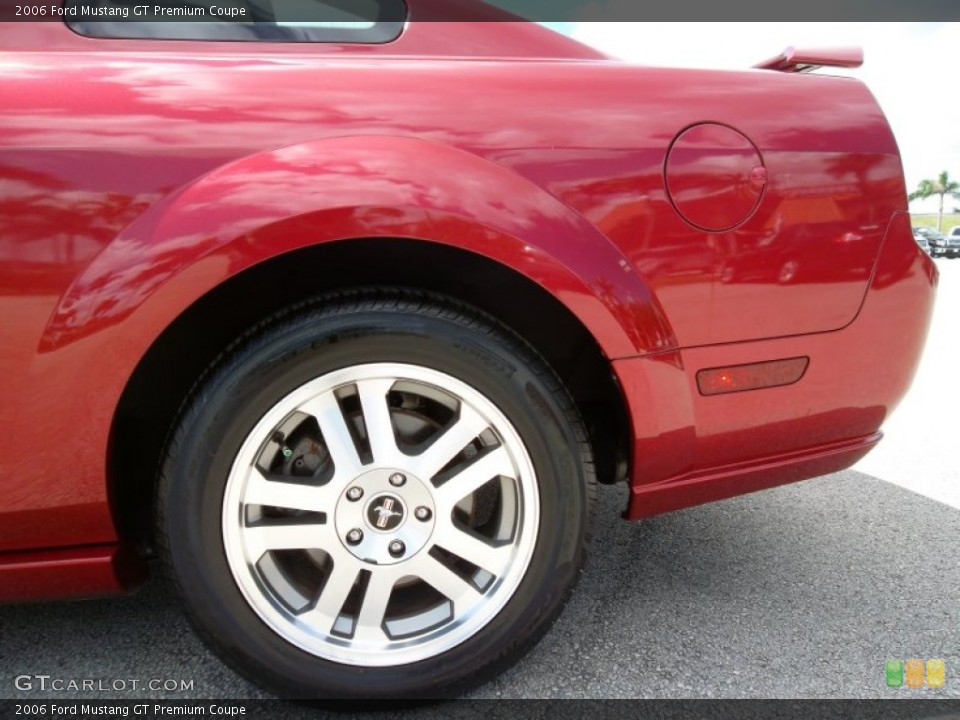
936 673
894 673
914 673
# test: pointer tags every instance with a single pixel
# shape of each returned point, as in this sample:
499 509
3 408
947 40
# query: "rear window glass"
333 21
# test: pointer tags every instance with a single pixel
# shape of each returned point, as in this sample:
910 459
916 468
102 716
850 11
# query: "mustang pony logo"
386 513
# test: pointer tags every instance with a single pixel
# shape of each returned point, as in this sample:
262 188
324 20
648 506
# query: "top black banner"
366 12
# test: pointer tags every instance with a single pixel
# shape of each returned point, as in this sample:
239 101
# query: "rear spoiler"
807 59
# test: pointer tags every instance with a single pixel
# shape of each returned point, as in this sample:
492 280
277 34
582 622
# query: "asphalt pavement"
799 592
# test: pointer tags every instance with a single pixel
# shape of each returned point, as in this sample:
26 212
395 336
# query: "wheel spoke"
376 416
444 581
261 538
474 549
468 425
264 490
334 594
369 627
336 435
470 479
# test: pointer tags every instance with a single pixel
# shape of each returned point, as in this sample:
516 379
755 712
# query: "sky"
911 68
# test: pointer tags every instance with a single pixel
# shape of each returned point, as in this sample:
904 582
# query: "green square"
894 670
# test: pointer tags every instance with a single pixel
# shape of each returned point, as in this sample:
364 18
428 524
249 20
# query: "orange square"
936 673
914 670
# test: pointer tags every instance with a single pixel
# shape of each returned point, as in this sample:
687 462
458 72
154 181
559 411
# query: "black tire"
308 341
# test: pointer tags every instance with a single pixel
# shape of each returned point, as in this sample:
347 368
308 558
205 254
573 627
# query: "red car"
342 323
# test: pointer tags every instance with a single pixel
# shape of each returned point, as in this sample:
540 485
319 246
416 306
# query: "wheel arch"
177 358
275 202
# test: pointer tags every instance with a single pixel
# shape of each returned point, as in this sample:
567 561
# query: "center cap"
385 516
386 513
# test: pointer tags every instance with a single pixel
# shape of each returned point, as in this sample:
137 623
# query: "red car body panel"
138 176
86 571
724 445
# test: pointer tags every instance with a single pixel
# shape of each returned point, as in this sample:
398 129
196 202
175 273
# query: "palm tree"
942 187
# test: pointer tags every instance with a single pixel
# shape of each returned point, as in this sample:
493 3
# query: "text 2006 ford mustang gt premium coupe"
344 322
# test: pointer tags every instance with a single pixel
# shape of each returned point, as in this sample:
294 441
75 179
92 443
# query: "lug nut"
397 548
355 536
398 479
422 513
354 494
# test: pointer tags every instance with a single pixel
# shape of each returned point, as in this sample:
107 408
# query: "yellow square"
936 673
914 670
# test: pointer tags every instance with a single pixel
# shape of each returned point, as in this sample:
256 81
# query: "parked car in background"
952 248
937 240
342 323
921 239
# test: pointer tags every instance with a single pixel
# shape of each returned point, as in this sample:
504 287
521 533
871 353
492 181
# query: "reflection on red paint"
138 177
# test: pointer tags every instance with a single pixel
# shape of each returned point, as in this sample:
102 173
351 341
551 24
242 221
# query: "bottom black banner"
495 709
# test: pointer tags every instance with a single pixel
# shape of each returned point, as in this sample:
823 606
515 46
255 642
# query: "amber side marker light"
737 378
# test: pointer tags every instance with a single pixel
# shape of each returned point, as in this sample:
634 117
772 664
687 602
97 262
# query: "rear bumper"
690 449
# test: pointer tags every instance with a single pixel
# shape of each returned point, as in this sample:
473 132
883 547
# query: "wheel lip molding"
351 188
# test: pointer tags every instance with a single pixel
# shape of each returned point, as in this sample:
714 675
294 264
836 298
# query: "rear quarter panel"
139 175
